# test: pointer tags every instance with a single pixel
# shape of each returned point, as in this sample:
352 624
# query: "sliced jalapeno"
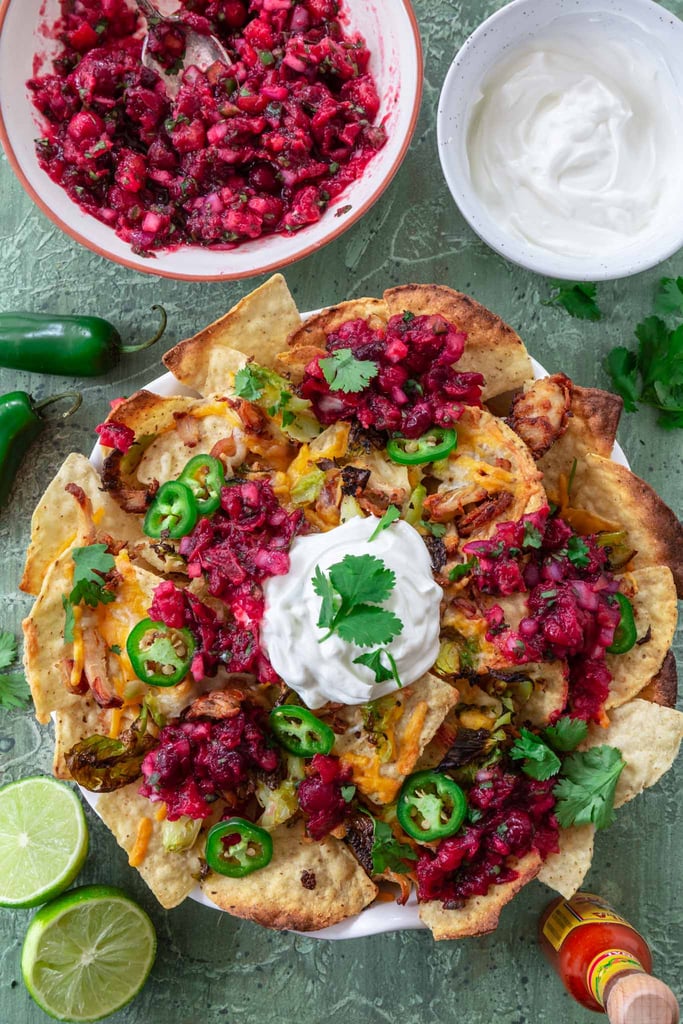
236 848
160 655
625 635
205 477
436 444
300 732
430 806
173 513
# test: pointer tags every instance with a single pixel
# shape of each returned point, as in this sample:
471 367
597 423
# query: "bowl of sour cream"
560 132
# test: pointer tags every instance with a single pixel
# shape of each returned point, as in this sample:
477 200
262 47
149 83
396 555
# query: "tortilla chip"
655 613
592 427
663 688
256 328
55 521
162 452
424 706
294 361
170 876
44 645
314 330
615 493
481 913
492 347
648 736
73 725
307 885
551 686
566 870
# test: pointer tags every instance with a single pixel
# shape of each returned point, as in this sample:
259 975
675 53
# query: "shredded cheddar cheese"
161 811
139 849
115 723
410 741
78 651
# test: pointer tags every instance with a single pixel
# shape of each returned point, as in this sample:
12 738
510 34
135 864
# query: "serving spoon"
202 51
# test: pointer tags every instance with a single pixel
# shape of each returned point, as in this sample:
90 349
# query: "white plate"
381 917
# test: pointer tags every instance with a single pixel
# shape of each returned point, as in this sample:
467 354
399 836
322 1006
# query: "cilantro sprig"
653 374
14 691
383 672
585 793
389 517
351 596
91 565
254 382
343 372
388 854
566 733
540 762
577 298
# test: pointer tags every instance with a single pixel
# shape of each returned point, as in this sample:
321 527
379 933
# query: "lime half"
43 840
87 953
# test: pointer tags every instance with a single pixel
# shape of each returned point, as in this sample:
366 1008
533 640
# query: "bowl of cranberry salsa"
251 166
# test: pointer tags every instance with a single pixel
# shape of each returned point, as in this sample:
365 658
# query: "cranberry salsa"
253 147
496 810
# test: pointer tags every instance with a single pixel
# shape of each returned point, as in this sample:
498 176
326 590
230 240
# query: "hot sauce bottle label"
584 908
607 965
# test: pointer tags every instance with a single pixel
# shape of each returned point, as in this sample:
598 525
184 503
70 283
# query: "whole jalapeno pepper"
205 477
236 848
160 655
300 732
625 634
81 346
436 444
430 806
173 513
20 425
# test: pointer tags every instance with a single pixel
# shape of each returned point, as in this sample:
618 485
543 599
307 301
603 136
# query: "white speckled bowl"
391 31
515 24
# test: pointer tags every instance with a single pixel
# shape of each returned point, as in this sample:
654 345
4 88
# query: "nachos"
362 607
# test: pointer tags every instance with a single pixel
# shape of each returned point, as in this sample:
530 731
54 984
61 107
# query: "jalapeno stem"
128 349
75 395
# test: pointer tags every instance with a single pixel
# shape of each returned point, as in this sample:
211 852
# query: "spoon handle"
149 10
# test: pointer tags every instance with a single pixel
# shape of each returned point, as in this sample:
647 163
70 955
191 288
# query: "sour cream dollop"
576 141
321 672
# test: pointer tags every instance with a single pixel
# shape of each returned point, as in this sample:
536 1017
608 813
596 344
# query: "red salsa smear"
253 147
416 385
570 597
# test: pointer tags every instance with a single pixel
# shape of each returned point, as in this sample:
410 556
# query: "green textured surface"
212 969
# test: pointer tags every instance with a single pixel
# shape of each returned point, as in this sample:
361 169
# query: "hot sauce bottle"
603 962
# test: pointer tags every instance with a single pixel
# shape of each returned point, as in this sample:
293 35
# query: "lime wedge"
87 953
43 840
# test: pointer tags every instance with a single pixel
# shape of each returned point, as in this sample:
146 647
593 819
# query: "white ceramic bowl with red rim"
380 917
517 24
391 32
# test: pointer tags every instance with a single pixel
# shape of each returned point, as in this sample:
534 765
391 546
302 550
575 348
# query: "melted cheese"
78 650
141 844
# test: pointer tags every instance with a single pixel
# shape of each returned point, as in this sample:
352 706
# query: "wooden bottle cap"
641 999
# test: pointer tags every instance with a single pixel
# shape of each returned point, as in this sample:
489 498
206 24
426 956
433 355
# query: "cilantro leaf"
585 793
669 297
14 691
367 624
91 565
362 578
577 552
533 538
387 852
567 733
578 298
8 649
458 572
540 762
248 384
622 367
389 517
343 372
348 793
436 529
351 597
69 621
324 589
373 661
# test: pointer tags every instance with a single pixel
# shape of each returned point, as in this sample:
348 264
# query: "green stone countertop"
214 969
